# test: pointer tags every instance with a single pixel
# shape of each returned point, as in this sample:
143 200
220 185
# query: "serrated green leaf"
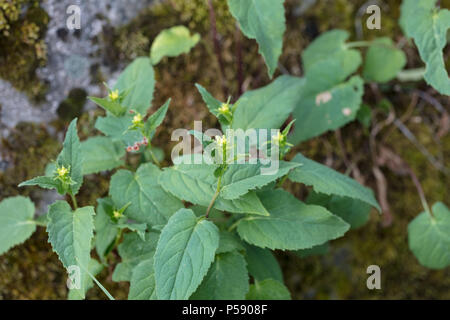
155 120
212 103
196 183
70 234
291 225
268 289
383 61
113 107
227 279
264 21
16 222
429 237
133 250
71 157
138 79
262 264
142 283
172 42
149 202
105 230
184 254
353 211
139 228
328 181
326 108
270 106
428 26
101 154
44 182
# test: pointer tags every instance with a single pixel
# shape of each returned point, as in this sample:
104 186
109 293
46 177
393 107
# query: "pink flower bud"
136 148
129 149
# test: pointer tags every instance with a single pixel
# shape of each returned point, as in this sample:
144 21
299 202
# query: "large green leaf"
429 237
328 181
327 102
149 202
138 80
227 279
172 42
353 211
270 106
268 289
428 26
184 254
16 222
326 108
133 250
383 61
70 234
264 21
291 225
262 264
101 154
142 283
196 183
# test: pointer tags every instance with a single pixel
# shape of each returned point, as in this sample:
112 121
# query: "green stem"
154 158
38 223
211 204
74 201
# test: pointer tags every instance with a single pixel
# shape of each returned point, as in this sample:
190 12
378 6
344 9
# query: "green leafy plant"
206 230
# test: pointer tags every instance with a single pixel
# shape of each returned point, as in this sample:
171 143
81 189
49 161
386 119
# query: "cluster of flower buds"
137 145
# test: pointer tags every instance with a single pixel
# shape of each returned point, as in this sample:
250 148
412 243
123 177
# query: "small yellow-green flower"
117 214
137 119
279 138
62 172
224 108
114 95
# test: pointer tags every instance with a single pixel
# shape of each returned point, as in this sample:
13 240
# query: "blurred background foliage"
32 271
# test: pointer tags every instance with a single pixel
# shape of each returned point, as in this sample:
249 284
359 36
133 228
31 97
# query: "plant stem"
74 201
211 204
154 157
420 192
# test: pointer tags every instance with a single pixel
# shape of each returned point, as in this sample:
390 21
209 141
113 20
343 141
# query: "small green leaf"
428 26
429 237
149 202
268 289
70 234
228 242
328 181
155 120
383 61
270 106
291 225
133 250
227 279
16 222
139 228
113 107
71 157
264 21
172 42
138 79
184 254
44 182
101 154
262 264
142 283
117 129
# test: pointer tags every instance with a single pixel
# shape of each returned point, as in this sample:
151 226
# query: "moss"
72 107
23 24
